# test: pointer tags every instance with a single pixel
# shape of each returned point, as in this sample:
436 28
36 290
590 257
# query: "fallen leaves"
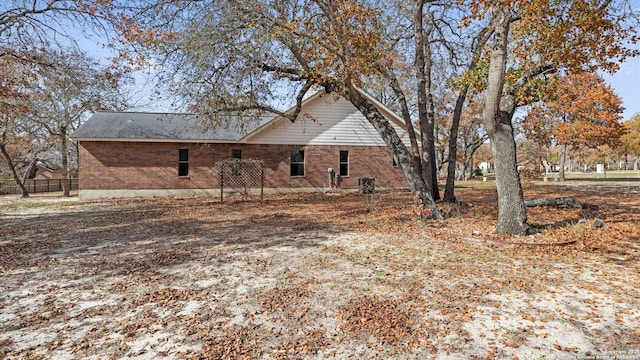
301 346
235 343
281 298
386 319
308 275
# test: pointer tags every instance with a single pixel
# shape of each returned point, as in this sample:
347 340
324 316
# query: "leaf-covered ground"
319 276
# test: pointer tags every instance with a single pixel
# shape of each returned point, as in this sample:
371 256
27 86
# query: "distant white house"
485 167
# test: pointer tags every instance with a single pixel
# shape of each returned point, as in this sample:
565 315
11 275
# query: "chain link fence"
239 176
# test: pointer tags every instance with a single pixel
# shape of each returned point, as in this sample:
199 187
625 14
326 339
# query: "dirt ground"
315 276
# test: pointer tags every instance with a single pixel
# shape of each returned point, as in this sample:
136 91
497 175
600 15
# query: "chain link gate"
241 175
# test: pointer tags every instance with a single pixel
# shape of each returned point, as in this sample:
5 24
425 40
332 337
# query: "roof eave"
198 141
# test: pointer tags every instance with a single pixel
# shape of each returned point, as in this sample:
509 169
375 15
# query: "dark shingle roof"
123 126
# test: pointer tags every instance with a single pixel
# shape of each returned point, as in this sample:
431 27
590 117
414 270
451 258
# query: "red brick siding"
139 165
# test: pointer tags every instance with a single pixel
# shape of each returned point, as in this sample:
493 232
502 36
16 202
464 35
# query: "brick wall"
140 165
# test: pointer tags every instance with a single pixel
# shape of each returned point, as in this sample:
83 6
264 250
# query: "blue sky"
626 83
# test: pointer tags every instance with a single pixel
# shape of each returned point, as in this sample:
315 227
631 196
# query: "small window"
236 154
395 162
297 162
344 163
183 162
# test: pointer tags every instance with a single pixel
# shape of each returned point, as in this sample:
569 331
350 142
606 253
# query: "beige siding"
324 121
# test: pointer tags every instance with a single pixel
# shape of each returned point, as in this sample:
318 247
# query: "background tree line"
48 84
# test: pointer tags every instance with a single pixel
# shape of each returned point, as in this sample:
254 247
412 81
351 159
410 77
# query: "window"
183 162
395 162
344 163
297 162
236 167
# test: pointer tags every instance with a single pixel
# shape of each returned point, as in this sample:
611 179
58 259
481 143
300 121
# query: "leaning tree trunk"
65 163
449 195
406 115
12 168
563 158
27 172
405 159
478 44
498 113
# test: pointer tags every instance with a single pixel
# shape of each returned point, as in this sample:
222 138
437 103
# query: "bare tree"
67 92
14 96
26 26
475 48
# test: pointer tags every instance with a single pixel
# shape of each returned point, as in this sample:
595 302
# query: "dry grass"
315 276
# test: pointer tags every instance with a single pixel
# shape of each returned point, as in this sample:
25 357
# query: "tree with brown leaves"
238 56
589 113
530 41
630 141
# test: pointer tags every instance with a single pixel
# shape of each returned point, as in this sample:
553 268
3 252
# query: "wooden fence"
37 186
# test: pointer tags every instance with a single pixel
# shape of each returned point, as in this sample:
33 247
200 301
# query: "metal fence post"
262 185
221 182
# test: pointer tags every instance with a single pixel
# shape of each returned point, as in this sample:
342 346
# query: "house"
152 154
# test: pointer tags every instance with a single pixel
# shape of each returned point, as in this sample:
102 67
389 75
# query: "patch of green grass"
628 174
575 226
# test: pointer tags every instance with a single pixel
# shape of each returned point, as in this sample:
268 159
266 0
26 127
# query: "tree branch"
296 111
543 69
